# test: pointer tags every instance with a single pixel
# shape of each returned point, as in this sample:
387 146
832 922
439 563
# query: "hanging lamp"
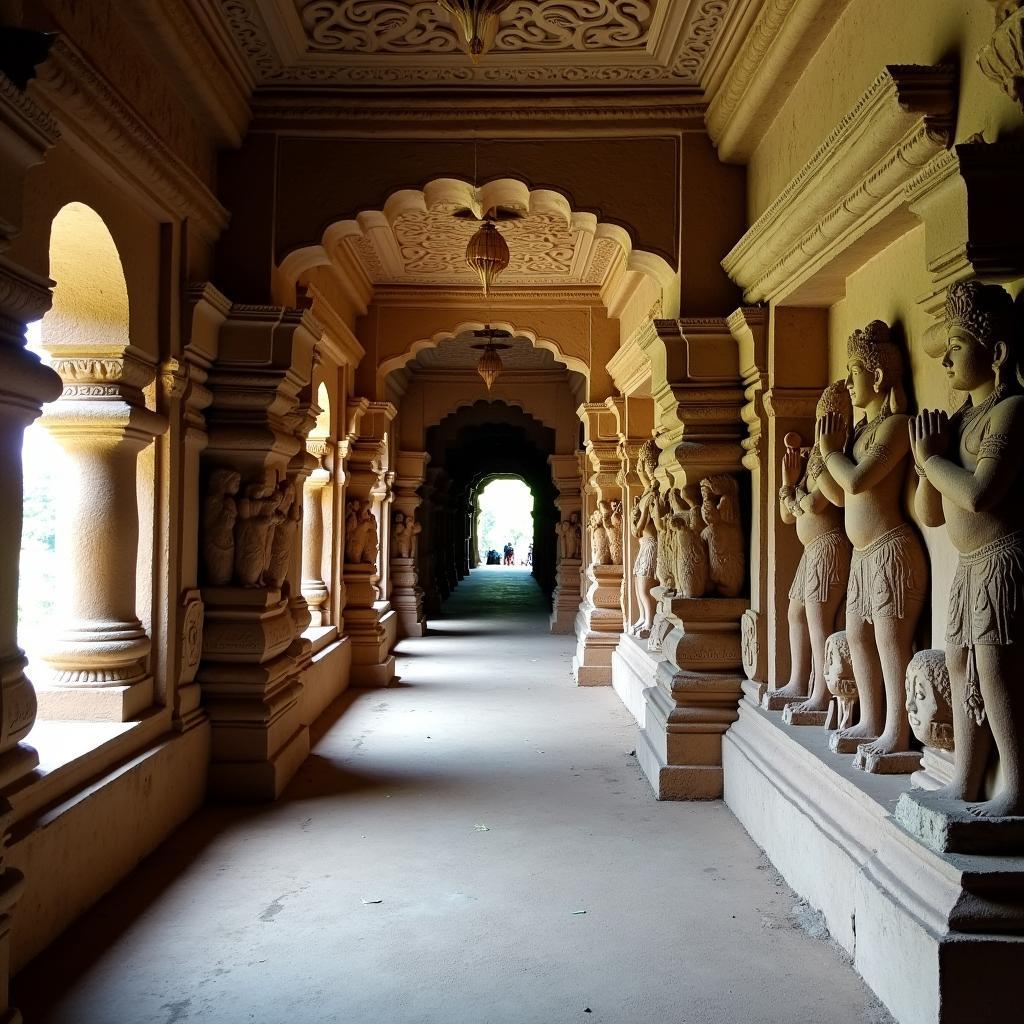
476 21
490 365
487 252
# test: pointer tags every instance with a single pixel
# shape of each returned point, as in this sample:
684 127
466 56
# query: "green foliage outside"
506 516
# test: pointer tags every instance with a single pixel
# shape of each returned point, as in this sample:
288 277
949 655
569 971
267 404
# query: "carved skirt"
986 605
885 575
646 559
824 564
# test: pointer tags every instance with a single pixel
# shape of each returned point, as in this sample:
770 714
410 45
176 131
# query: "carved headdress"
647 458
984 311
874 349
835 398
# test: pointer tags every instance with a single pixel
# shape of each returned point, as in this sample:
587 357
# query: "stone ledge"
887 899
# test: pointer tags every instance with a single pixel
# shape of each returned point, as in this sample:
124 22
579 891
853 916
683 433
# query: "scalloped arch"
466 326
514 403
454 193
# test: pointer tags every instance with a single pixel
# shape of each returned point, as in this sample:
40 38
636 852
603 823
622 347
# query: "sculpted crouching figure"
821 577
888 571
971 480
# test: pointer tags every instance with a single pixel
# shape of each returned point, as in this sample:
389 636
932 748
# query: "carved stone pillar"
698 396
369 619
249 675
406 593
599 621
565 601
25 384
99 654
314 588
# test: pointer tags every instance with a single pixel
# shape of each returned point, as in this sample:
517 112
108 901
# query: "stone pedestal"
252 691
693 701
407 597
598 626
938 937
635 670
372 628
565 601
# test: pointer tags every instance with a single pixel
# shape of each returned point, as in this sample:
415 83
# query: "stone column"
407 594
250 678
99 655
565 601
370 622
314 588
698 395
599 621
26 133
25 384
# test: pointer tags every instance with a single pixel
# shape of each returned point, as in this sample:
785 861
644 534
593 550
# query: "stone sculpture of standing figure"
690 570
361 543
643 525
888 573
720 509
252 531
404 531
220 511
611 518
282 542
971 480
600 549
819 585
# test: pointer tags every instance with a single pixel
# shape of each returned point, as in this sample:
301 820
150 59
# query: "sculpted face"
967 362
838 673
927 708
860 382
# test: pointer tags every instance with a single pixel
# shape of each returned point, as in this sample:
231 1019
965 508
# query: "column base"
373 632
887 899
634 670
261 780
95 703
565 600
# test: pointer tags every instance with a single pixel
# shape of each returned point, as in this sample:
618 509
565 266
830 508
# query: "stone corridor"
474 845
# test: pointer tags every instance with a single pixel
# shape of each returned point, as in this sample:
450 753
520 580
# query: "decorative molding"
856 178
768 62
87 106
409 42
18 111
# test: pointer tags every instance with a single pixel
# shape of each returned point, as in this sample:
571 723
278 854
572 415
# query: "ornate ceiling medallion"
490 365
487 253
477 21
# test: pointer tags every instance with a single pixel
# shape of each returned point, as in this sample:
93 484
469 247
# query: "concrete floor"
475 845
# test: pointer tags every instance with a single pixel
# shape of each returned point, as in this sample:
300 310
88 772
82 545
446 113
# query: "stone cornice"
33 126
855 179
458 297
338 341
90 110
499 116
768 62
630 367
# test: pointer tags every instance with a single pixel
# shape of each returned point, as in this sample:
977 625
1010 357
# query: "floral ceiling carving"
538 42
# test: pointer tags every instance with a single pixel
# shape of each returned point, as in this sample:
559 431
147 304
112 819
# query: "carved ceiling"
417 239
327 43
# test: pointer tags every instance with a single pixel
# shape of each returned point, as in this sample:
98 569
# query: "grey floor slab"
475 845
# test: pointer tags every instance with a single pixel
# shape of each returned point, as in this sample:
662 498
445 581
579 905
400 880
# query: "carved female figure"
643 526
690 568
600 548
286 526
252 531
220 511
971 480
888 571
611 518
819 585
403 532
664 562
720 509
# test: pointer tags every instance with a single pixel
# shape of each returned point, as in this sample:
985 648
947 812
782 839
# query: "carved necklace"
968 414
870 429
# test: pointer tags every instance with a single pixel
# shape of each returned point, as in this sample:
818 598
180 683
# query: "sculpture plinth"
251 689
565 601
948 826
407 597
372 626
695 699
598 626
